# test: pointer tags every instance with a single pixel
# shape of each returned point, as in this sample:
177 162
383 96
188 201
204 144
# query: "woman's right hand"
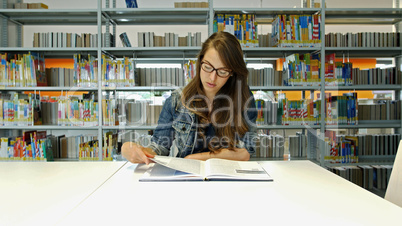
136 153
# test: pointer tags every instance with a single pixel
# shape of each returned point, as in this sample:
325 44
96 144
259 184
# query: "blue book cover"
131 4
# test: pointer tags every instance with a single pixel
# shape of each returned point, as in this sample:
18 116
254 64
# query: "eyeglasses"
220 72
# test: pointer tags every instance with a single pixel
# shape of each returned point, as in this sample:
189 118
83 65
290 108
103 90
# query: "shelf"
368 160
369 124
48 88
266 15
154 52
365 51
50 127
288 127
383 16
155 16
51 16
125 127
364 87
284 88
53 52
141 88
276 52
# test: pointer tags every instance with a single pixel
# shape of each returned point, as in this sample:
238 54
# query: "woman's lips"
211 85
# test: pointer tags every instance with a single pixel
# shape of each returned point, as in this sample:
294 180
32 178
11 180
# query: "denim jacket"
176 132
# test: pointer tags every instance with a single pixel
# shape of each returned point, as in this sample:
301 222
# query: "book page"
236 170
158 172
185 165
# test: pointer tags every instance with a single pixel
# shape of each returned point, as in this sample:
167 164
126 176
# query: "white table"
302 194
41 193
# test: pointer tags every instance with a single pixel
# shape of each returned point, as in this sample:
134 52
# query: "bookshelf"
105 18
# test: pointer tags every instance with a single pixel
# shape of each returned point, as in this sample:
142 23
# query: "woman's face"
211 82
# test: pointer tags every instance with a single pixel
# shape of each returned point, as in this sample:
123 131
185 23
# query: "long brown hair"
228 116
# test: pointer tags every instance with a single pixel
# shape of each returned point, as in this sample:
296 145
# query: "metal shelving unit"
105 17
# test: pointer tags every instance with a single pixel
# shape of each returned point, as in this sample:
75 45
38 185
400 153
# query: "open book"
179 169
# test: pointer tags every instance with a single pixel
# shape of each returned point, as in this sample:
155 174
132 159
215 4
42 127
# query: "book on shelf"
179 169
131 4
124 39
191 5
149 39
243 26
363 39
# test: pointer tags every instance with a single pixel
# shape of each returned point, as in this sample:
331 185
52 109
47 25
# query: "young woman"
213 116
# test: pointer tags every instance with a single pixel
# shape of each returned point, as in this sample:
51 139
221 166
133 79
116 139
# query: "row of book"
86 70
301 70
264 77
268 112
19 109
118 73
348 148
32 146
265 40
366 176
363 39
130 112
304 70
298 145
62 77
37 146
170 39
375 76
160 77
269 146
19 70
341 110
70 40
381 110
296 31
28 6
191 5
243 26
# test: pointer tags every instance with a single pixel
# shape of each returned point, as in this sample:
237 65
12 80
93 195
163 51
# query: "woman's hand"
136 153
238 154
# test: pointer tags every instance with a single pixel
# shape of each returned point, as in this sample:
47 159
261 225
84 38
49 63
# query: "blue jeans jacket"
176 132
